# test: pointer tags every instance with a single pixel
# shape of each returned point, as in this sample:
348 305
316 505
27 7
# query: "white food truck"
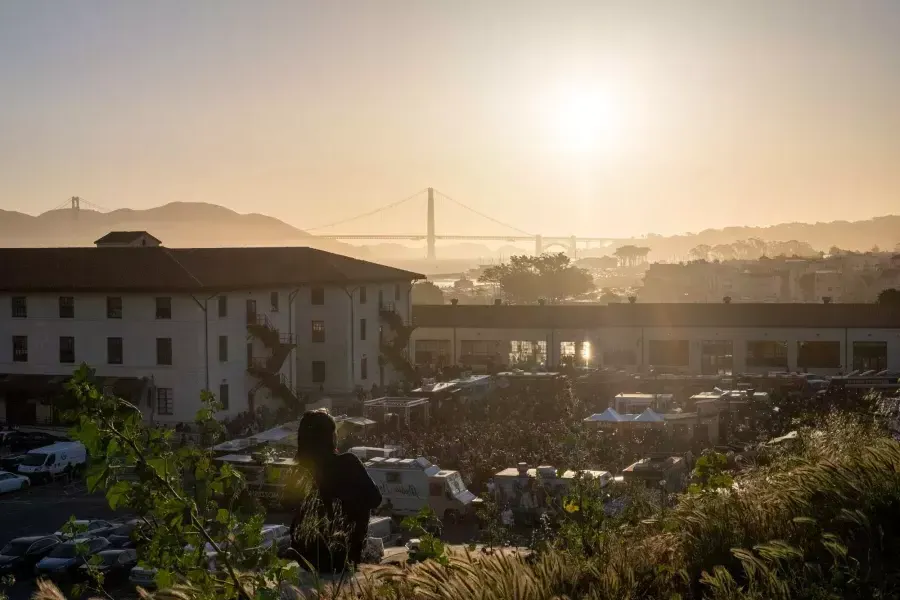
407 485
531 492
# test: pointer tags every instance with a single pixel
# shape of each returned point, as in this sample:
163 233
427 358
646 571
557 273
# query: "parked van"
50 462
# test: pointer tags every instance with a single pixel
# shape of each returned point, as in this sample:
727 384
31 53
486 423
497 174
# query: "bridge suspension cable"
365 214
481 214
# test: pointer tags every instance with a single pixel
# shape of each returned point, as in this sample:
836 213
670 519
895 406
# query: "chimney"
826 299
454 301
727 299
632 299
542 301
498 302
523 469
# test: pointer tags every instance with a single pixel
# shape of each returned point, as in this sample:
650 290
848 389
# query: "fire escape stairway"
268 369
394 350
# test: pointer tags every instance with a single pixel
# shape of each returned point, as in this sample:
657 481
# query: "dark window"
114 350
165 398
66 349
19 307
670 353
20 348
362 295
396 292
273 299
66 307
765 353
113 307
435 489
164 351
364 368
362 330
392 477
318 332
823 355
318 371
869 356
620 357
223 395
317 296
223 306
163 308
223 348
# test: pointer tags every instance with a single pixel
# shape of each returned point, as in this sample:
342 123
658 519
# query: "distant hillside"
178 224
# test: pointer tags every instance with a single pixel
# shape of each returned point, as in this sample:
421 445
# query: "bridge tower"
573 247
76 205
538 245
430 226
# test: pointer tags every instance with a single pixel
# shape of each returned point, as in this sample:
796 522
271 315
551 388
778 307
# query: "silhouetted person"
345 496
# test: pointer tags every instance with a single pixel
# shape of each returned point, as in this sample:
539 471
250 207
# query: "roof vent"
128 239
523 468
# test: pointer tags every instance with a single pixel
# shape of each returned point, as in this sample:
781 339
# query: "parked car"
124 533
68 556
10 482
115 564
22 441
89 528
11 462
22 554
146 576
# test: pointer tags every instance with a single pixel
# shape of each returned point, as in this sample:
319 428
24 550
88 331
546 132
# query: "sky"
557 117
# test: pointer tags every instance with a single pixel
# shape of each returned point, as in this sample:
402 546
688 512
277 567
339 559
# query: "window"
164 351
317 296
20 348
669 353
392 477
823 355
165 401
66 307
223 348
66 349
113 307
397 292
223 395
362 295
163 308
435 489
869 356
19 307
223 306
364 368
318 332
318 371
764 353
114 351
362 330
273 300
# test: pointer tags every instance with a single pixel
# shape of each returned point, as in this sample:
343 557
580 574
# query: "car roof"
2 472
112 551
33 538
56 447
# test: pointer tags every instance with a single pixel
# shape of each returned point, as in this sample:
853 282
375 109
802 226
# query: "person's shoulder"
349 460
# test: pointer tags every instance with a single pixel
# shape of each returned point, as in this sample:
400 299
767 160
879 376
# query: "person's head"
316 434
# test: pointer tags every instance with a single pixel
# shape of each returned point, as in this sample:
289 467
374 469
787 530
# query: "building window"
164 351
767 353
165 401
273 300
113 307
397 292
223 395
819 355
19 307
362 295
318 371
20 348
223 306
114 351
364 368
66 307
317 296
362 330
66 349
669 353
318 332
163 308
223 348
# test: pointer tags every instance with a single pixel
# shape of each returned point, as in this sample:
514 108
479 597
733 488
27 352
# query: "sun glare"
586 121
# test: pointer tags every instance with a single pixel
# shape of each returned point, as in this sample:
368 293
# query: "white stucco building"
252 325
676 338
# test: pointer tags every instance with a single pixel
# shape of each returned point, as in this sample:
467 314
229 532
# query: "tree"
425 292
889 297
700 252
527 279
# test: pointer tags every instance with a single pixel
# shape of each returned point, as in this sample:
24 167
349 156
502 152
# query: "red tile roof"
127 269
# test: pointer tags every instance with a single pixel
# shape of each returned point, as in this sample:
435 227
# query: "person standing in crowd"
329 529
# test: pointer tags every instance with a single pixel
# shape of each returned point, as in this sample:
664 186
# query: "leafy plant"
421 525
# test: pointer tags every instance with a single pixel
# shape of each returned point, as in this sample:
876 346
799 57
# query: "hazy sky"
559 117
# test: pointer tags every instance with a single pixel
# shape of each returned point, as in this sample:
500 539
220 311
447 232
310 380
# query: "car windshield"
67 550
111 559
34 460
15 548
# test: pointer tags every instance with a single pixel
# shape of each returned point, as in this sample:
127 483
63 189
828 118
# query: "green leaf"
97 477
118 494
158 465
222 516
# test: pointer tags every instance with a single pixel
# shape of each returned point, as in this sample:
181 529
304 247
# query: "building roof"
129 269
591 316
124 237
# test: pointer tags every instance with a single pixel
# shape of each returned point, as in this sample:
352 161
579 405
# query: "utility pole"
430 225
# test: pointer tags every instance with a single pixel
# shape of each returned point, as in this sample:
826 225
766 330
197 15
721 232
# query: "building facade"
254 326
677 338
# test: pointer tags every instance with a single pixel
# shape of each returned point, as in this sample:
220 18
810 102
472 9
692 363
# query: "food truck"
407 485
532 492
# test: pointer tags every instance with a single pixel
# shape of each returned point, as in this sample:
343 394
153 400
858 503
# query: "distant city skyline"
583 118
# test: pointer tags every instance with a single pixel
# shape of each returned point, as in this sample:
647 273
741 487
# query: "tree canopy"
890 297
526 279
426 292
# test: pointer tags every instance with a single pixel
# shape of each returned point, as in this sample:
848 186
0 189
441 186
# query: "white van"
54 460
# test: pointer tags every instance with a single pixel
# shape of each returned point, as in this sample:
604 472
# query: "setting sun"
586 120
